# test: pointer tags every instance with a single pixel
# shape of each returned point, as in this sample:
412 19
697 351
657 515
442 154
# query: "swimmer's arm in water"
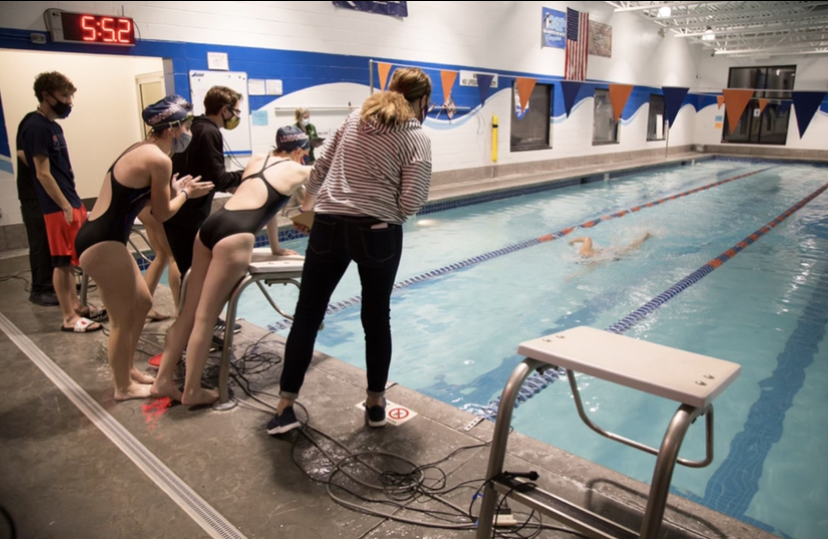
586 249
634 245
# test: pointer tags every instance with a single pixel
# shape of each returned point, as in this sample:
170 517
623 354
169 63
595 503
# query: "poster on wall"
554 28
395 9
600 39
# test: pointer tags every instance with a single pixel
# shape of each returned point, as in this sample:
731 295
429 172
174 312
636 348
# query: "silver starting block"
693 380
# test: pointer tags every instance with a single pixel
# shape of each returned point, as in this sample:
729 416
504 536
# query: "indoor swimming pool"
477 280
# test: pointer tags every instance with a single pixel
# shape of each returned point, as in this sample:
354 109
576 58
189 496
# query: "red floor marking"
154 410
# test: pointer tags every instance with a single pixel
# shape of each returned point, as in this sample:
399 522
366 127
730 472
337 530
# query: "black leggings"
335 241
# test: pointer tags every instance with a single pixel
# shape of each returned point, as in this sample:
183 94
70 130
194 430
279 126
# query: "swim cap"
289 138
169 110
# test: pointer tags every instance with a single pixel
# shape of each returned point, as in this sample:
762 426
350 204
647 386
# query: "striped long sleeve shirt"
373 170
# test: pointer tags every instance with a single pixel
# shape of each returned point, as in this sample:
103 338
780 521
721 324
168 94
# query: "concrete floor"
61 477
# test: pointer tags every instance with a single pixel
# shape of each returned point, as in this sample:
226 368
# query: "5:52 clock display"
66 27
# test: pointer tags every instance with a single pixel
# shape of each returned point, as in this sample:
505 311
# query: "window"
604 128
769 126
530 130
656 122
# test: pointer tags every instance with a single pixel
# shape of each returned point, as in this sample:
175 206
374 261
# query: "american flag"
577 45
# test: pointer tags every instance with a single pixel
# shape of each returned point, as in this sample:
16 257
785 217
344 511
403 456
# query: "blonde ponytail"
393 107
387 108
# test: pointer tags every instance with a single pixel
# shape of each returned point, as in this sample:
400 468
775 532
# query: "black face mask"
61 108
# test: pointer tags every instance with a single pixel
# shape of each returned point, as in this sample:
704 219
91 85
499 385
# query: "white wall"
494 36
104 121
811 74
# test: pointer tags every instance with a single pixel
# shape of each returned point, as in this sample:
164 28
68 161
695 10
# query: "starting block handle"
708 412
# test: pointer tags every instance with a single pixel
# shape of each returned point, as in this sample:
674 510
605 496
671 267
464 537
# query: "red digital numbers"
124 27
98 29
108 30
88 26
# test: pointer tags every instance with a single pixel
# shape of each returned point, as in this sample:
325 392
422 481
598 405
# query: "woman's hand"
197 189
283 252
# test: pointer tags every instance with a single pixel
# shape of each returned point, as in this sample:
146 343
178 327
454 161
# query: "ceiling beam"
769 54
772 17
657 5
776 11
793 49
753 29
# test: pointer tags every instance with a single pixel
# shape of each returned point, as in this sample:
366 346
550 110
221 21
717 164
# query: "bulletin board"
237 141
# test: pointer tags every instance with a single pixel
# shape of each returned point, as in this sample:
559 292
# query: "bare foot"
134 391
155 316
165 389
140 377
200 396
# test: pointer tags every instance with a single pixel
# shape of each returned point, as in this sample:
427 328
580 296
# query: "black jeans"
40 258
335 241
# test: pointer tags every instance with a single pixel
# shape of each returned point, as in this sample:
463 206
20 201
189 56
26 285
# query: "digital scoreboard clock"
66 27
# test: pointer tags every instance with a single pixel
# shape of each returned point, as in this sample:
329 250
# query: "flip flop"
93 312
155 361
83 325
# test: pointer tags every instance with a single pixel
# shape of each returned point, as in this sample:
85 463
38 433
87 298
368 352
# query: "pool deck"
63 477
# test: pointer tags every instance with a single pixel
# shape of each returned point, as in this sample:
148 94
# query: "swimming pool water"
455 333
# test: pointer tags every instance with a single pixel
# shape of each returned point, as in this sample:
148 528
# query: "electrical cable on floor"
9 521
399 490
18 276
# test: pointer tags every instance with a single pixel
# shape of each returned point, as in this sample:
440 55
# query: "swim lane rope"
451 268
535 383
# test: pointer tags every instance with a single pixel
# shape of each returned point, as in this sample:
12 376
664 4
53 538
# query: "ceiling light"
664 11
708 35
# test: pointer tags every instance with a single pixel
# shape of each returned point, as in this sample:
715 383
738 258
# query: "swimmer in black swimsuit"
140 175
221 255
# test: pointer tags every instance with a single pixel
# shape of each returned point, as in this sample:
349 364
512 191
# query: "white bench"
691 379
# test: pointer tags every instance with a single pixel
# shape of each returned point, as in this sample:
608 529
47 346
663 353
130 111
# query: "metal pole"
500 440
667 145
663 473
371 74
224 402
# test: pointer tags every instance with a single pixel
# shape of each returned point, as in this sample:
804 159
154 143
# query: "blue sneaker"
286 422
375 415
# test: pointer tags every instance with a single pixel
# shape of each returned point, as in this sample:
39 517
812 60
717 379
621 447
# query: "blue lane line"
451 268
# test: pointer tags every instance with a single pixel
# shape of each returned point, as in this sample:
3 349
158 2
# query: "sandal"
94 313
83 325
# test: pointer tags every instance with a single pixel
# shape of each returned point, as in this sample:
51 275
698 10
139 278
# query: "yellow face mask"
234 120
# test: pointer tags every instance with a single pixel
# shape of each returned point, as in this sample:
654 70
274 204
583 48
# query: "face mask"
61 108
180 144
423 111
232 123
305 122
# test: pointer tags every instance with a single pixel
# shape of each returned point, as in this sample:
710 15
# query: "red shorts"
62 236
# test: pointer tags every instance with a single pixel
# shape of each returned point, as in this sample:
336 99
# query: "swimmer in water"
599 255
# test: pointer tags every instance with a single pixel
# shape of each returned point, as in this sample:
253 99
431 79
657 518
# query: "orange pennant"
383 69
448 78
619 94
719 101
524 88
762 104
735 103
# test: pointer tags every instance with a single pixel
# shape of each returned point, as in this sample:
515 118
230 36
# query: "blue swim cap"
290 137
169 110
